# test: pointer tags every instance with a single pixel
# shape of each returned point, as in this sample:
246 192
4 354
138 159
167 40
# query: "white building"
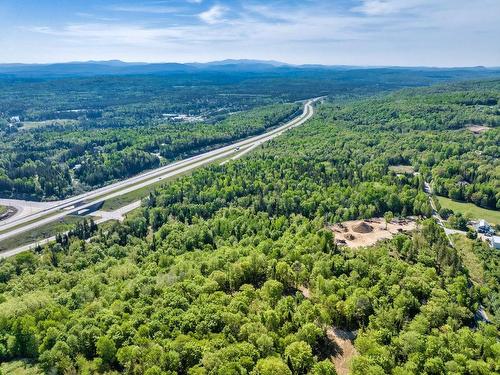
495 242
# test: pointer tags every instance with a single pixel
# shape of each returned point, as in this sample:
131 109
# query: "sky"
334 32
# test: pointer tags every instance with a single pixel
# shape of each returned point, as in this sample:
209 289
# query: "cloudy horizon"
345 32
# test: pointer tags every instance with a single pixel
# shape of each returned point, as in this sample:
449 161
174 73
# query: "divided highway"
58 210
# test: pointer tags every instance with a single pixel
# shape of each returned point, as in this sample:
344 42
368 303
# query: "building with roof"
495 242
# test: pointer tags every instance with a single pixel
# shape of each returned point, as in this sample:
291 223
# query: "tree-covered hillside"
63 136
234 270
57 161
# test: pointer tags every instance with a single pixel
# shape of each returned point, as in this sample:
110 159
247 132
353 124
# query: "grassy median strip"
122 200
40 233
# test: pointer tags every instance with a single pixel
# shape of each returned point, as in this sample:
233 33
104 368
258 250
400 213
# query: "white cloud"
386 7
213 15
376 32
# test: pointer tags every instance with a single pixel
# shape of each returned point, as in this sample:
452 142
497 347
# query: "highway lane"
102 217
54 206
73 205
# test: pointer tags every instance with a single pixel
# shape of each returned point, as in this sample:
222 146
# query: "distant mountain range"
117 67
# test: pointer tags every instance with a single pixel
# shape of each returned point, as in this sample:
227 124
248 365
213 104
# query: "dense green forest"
60 137
57 161
430 132
234 270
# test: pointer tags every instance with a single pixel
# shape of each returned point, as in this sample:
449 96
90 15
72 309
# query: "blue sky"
352 32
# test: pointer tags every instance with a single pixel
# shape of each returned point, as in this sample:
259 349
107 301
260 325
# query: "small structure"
495 242
15 119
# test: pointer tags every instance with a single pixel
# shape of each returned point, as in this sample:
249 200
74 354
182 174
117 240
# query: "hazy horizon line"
268 61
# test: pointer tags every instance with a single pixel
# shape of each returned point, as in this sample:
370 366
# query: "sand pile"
362 227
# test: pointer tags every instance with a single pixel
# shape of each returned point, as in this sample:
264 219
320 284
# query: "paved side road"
75 204
118 214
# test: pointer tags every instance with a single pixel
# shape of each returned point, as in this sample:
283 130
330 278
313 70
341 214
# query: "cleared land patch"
470 259
361 233
38 124
402 169
478 129
20 367
471 210
342 340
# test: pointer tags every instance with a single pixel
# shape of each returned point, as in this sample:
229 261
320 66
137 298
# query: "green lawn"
3 209
471 210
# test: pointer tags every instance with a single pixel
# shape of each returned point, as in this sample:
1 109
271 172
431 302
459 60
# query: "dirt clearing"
362 233
478 129
344 341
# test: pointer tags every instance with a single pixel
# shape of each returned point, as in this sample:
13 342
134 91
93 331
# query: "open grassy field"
3 210
470 259
402 169
37 124
471 210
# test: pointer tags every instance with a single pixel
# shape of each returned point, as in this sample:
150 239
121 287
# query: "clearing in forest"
471 210
361 233
478 129
342 340
402 169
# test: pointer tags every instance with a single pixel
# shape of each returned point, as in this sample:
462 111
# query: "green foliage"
234 270
106 350
55 162
299 357
457 221
271 366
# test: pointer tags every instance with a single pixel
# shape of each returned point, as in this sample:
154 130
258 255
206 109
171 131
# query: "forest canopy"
234 270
